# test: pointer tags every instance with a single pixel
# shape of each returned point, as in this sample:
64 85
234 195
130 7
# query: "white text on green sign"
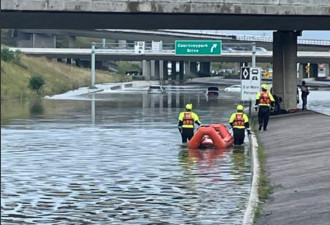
206 47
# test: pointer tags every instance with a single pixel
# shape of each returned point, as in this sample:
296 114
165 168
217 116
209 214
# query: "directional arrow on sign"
213 47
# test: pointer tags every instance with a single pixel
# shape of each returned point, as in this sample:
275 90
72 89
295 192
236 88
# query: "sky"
317 35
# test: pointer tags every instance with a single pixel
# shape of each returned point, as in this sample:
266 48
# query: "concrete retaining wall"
270 7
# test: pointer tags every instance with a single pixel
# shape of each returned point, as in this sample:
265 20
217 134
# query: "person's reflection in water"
240 162
36 106
192 158
198 166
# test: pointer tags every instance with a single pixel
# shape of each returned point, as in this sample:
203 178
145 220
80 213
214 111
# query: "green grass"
265 188
58 77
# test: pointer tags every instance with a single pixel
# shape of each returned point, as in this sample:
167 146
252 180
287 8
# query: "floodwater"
116 158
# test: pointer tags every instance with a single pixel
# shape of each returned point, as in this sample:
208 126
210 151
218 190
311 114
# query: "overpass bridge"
287 18
167 55
171 14
47 37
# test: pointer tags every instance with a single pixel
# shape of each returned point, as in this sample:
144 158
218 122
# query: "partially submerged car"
156 89
233 88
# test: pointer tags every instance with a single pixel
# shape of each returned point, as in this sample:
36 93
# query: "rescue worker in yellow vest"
187 119
239 121
264 100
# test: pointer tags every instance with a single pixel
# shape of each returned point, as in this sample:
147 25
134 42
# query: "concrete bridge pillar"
285 67
157 69
161 71
152 70
23 40
181 72
327 68
314 67
186 68
72 41
205 67
146 69
173 70
43 41
237 67
165 70
301 72
193 68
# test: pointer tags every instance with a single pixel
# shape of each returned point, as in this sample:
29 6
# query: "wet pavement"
115 158
298 151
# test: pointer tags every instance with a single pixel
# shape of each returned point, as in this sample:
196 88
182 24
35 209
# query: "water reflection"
36 106
116 159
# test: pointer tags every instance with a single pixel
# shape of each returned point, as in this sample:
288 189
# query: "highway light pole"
253 54
93 66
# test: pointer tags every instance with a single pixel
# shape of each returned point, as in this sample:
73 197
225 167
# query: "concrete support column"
181 72
237 67
69 61
186 68
43 41
193 68
161 70
152 70
146 69
205 67
157 70
165 70
78 63
173 70
301 72
285 71
327 70
23 40
72 42
314 68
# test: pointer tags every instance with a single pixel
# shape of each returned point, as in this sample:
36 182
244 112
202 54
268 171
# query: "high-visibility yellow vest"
239 119
188 119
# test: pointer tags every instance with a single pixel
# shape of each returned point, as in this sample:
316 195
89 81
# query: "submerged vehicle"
233 88
156 89
213 135
212 91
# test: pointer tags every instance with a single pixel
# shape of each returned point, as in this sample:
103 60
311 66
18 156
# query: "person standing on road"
304 93
239 121
264 100
187 119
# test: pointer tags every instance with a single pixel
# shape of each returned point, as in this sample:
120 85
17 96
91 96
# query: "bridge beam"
285 67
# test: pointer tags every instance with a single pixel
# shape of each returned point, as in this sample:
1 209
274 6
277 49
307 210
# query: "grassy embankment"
58 77
265 188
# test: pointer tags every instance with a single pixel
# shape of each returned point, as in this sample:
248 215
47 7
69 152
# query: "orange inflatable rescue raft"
216 135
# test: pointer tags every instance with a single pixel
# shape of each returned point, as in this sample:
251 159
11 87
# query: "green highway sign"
198 47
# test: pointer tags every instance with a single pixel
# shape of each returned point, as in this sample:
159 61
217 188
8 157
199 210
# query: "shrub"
36 82
8 55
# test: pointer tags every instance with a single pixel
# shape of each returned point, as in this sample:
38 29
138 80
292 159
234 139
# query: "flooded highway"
116 158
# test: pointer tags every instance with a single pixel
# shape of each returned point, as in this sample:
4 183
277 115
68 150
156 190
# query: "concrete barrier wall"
268 7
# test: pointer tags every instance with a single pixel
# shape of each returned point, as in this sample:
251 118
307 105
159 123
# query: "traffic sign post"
198 47
250 83
139 47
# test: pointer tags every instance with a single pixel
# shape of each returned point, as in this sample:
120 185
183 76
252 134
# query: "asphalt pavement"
297 146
